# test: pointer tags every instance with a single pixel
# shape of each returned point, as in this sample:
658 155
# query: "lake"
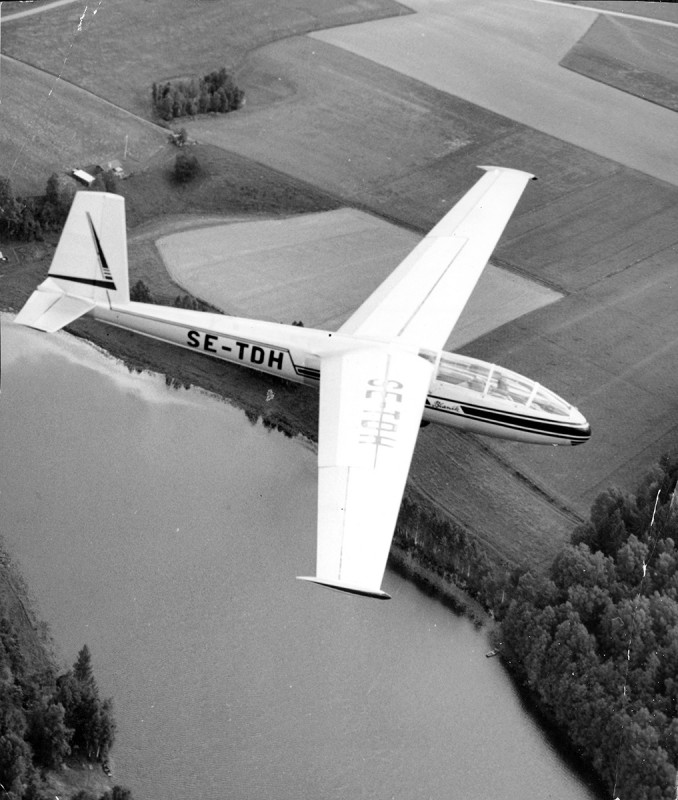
165 531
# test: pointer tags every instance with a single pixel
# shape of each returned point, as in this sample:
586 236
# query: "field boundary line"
88 93
38 10
608 12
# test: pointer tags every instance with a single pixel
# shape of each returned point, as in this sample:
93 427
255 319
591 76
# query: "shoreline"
439 585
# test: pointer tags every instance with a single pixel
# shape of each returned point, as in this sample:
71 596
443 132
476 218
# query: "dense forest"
182 97
596 640
45 718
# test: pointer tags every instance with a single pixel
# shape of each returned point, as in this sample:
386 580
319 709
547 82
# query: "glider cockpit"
485 398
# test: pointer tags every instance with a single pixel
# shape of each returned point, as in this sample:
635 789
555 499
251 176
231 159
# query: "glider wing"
371 403
421 301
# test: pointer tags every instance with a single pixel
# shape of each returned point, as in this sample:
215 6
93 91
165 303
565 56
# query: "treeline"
140 293
28 218
596 640
183 97
447 549
45 718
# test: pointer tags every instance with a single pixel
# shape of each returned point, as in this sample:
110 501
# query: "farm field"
117 50
632 56
599 233
76 129
505 57
343 255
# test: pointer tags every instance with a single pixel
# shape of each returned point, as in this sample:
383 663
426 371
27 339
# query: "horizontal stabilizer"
49 309
344 587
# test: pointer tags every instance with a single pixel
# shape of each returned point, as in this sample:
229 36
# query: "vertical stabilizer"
91 258
89 267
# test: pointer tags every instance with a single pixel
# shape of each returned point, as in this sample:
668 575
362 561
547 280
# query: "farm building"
82 176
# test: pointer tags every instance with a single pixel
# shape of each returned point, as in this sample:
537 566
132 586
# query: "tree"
105 181
10 209
59 194
82 669
631 563
48 734
579 566
117 793
91 720
645 772
15 762
140 293
106 728
186 167
29 228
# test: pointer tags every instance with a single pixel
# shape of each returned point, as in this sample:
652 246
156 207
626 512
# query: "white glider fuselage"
465 393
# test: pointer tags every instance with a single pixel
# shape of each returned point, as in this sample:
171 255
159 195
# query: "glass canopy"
489 380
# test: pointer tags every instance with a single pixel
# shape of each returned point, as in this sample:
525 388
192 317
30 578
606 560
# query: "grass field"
48 125
123 47
344 255
302 91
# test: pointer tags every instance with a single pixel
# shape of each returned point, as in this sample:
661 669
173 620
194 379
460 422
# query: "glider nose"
581 426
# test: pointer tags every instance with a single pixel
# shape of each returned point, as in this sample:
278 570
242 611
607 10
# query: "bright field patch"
318 268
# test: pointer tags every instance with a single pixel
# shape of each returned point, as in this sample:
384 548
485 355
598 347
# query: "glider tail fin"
89 267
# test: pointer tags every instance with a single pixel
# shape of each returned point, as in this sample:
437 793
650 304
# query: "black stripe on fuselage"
308 372
89 281
523 422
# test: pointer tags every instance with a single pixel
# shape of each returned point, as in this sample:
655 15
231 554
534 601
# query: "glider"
381 375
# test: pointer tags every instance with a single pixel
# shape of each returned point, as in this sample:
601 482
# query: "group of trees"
446 548
183 97
44 718
140 293
88 717
596 640
27 218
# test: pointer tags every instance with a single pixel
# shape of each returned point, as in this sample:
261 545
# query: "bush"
186 167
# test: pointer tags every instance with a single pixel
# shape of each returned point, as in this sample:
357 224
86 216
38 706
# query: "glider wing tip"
346 588
490 167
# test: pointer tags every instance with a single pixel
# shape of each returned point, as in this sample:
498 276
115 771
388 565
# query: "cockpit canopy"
490 380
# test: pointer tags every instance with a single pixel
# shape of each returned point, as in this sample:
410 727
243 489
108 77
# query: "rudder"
89 267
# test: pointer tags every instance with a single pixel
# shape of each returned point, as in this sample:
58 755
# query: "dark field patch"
636 57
